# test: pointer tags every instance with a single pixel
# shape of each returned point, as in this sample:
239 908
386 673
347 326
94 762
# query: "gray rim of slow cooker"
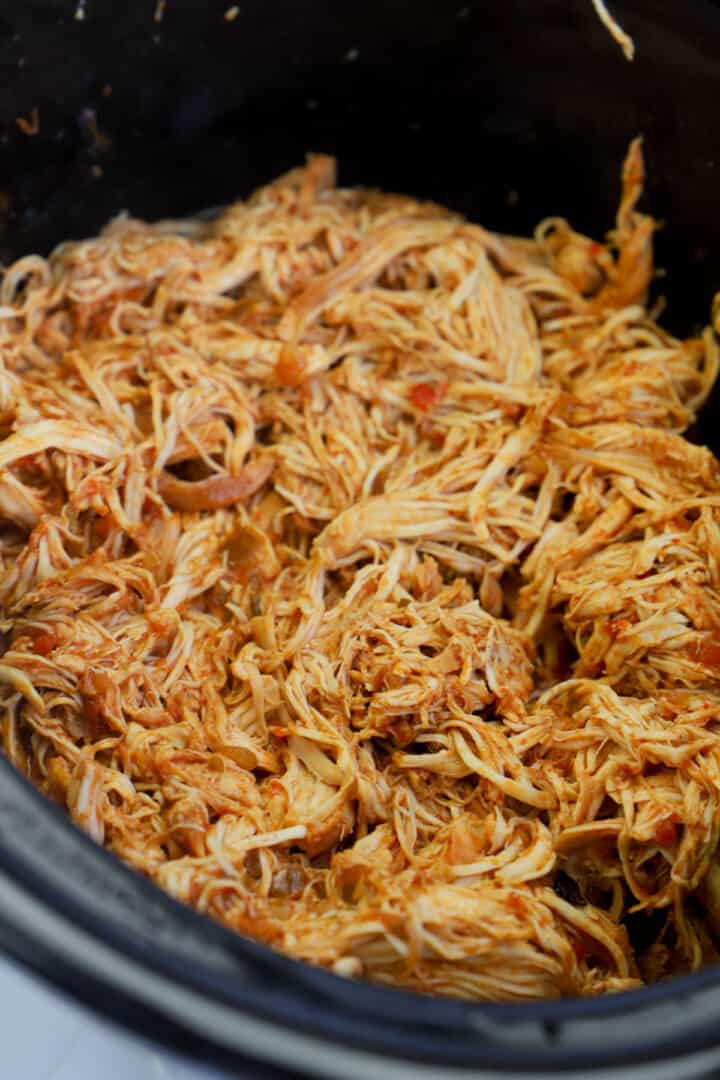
90 924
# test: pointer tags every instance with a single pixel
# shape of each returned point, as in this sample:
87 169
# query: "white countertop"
47 1036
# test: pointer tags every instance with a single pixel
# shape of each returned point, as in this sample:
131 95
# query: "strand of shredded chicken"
359 588
615 30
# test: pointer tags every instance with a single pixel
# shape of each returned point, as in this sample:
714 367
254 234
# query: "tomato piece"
102 527
706 653
666 833
44 643
516 904
290 369
425 396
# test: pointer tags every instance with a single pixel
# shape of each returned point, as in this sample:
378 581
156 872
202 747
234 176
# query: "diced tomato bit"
666 833
425 396
102 527
44 643
706 653
516 904
290 369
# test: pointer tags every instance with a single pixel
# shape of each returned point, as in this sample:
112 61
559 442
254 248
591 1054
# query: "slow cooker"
506 110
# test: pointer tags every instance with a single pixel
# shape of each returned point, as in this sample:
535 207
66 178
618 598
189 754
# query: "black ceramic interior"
507 110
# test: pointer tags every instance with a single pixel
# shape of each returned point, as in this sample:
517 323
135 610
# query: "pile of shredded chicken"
359 588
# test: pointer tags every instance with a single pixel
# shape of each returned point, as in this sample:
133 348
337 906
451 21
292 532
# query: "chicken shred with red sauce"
359 587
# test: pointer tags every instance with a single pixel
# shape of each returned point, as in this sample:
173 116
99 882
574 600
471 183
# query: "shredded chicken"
359 588
615 30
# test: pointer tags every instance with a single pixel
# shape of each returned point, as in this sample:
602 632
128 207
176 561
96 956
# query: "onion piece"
215 492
